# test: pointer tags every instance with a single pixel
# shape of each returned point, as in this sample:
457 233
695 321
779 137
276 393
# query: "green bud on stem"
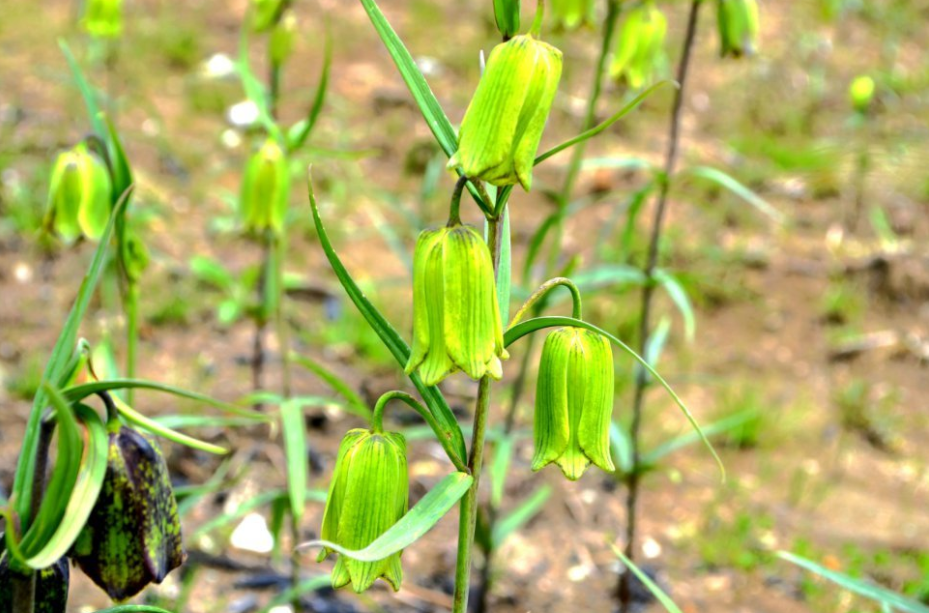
456 322
506 14
369 493
103 18
502 128
861 93
574 402
265 189
738 27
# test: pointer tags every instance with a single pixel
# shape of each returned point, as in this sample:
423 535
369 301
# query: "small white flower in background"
252 534
243 114
219 66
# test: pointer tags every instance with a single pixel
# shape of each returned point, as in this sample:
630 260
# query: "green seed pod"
574 402
861 93
265 13
51 588
103 18
503 125
133 535
571 14
738 27
456 322
79 195
265 189
639 51
506 13
369 493
283 38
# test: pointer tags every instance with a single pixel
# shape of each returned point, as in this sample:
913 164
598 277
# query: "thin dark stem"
46 430
624 591
454 209
23 592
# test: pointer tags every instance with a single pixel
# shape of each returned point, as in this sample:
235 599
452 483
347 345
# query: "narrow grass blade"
134 608
680 299
295 452
355 403
307 585
652 457
56 368
417 522
499 468
87 92
505 270
518 518
663 598
389 336
527 327
84 495
300 131
882 595
598 129
724 180
159 429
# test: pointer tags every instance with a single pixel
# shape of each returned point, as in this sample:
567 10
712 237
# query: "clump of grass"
865 411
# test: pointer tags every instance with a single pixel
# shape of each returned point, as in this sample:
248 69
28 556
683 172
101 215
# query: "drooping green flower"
503 125
456 322
861 93
369 493
283 38
103 18
639 52
133 535
51 590
78 195
571 14
738 27
265 189
574 402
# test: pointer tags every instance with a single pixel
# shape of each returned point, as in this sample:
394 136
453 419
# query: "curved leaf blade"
728 182
417 522
295 453
659 594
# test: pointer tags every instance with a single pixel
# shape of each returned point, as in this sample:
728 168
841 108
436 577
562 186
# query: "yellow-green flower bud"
369 493
574 402
861 93
503 125
265 13
456 322
570 14
639 52
283 38
265 189
738 27
103 18
133 535
79 195
51 589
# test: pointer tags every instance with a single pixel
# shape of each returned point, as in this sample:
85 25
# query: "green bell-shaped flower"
503 125
861 93
103 18
738 27
574 402
571 14
265 189
133 535
639 51
369 493
51 588
456 321
78 195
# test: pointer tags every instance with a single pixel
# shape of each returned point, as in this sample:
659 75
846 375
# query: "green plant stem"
624 588
543 291
467 518
131 308
258 353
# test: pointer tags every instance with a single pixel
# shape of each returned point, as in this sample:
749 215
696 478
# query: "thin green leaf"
535 245
254 90
133 608
526 327
159 429
657 341
295 452
678 295
499 468
297 135
307 585
389 336
356 404
636 203
607 275
663 598
724 180
417 522
505 270
518 518
79 392
604 125
621 449
721 426
84 495
212 272
428 105
175 422
119 162
862 588
56 368
87 92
